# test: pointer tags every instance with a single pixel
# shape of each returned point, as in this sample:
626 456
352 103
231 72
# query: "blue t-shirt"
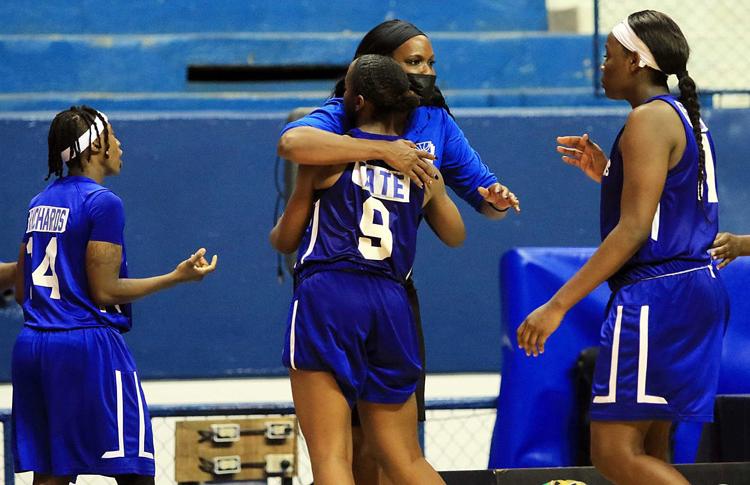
366 221
434 131
62 220
683 228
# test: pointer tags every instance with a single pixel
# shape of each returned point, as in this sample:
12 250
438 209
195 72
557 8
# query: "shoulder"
332 105
429 117
654 114
653 121
104 199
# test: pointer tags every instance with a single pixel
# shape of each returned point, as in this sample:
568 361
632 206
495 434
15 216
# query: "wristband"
496 209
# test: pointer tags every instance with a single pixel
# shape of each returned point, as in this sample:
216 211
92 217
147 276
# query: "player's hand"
437 187
500 196
583 153
196 266
533 333
415 164
726 247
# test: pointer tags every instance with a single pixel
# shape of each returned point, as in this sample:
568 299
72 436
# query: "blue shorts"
359 327
78 407
661 349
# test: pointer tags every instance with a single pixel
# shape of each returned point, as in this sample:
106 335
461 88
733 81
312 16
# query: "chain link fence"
457 436
716 31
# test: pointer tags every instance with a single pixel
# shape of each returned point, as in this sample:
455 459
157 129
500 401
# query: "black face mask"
423 85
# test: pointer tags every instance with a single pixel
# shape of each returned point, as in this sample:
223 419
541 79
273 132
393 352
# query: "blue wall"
155 16
208 180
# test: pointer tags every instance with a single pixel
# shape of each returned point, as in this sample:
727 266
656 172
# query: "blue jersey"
62 219
683 228
367 220
434 131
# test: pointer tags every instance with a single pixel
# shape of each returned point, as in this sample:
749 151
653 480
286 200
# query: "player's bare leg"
43 479
393 431
618 452
657 440
364 461
325 418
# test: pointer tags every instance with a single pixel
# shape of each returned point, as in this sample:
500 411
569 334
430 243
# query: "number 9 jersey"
62 219
366 221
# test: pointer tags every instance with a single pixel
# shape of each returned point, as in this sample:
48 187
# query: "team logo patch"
426 146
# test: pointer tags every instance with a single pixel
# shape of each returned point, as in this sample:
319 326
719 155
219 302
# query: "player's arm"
7 275
727 247
311 146
103 261
289 229
442 215
19 283
646 143
583 153
498 200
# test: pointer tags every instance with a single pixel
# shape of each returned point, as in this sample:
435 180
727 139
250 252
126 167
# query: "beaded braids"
381 81
64 132
667 43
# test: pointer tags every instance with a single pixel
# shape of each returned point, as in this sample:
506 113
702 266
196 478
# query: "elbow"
280 245
285 248
286 148
102 298
456 238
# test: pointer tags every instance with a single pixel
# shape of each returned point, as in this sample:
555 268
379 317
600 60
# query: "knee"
606 458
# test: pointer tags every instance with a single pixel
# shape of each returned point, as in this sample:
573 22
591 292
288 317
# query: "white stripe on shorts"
612 395
292 337
708 266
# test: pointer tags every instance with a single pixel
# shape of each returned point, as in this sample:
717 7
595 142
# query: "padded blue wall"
155 16
208 180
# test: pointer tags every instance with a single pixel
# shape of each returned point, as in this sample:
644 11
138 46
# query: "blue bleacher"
135 55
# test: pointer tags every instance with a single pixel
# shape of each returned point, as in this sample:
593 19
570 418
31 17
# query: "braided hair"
64 132
381 81
667 43
384 39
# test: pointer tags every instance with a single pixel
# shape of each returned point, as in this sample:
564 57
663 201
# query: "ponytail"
689 99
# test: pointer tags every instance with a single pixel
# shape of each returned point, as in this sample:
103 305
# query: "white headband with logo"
85 140
627 37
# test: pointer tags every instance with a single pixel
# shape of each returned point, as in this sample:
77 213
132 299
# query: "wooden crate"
195 449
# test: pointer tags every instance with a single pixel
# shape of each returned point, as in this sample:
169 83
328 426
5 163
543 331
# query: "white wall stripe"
612 395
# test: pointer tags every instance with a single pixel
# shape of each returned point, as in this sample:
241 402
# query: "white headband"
84 141
625 35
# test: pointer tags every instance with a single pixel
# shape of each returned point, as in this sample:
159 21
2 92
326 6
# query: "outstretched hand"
583 153
196 266
500 196
404 156
533 333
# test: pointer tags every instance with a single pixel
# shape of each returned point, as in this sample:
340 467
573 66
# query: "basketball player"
661 340
318 139
351 338
78 406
